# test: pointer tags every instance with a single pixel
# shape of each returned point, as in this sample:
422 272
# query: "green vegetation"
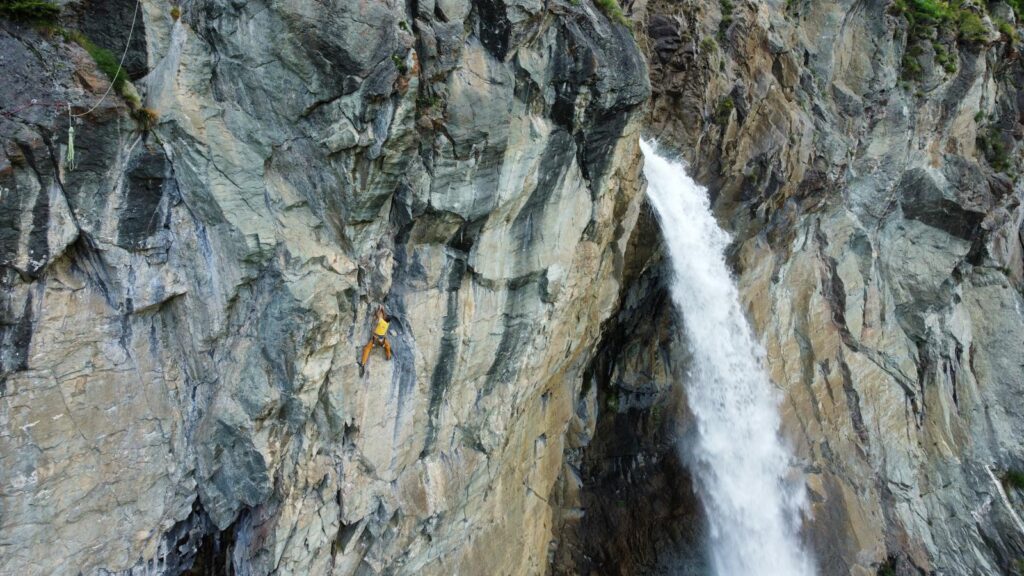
944 24
657 415
146 117
889 568
45 16
1015 479
724 110
612 402
992 146
929 18
727 9
175 13
972 29
38 12
911 65
919 10
109 63
708 44
1018 8
424 101
399 63
613 11
105 59
1007 29
944 58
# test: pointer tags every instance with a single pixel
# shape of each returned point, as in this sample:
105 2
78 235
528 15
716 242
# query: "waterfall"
738 460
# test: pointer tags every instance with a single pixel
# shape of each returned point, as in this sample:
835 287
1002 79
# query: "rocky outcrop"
628 507
182 310
868 160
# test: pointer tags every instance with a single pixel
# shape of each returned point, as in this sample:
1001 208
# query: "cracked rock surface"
871 174
181 313
182 310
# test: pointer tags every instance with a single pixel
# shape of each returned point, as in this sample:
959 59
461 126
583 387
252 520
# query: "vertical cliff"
182 310
182 306
868 157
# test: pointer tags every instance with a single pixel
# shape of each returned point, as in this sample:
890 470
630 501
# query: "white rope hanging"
71 140
120 65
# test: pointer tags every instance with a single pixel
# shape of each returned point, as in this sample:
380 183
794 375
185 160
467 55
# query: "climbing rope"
120 65
57 107
70 155
71 140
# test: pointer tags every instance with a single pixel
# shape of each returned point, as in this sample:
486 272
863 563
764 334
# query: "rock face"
628 507
182 311
869 162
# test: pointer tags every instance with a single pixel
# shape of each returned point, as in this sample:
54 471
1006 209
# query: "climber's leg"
387 348
366 352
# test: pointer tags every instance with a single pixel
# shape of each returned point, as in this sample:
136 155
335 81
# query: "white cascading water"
739 460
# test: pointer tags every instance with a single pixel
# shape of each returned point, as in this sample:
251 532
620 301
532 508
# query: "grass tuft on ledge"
105 59
37 12
613 11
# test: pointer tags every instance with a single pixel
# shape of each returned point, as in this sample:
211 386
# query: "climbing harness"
379 337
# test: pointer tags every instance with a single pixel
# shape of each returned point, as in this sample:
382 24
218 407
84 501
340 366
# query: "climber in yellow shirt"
379 338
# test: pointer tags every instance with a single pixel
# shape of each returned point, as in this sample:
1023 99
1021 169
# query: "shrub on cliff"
724 110
995 150
1007 30
928 18
727 9
105 59
613 11
37 12
944 24
972 29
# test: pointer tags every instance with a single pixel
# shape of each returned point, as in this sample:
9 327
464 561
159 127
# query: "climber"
379 337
